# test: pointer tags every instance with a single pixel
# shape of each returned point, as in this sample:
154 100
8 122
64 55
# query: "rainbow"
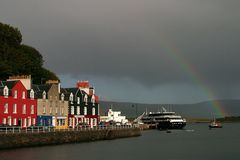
191 71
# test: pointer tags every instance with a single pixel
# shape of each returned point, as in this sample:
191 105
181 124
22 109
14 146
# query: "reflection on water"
195 142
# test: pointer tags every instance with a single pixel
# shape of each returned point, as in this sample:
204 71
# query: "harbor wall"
17 140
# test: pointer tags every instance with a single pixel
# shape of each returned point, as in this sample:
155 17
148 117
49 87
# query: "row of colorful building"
25 104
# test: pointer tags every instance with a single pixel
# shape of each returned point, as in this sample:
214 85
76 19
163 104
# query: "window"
62 97
9 121
56 110
4 121
71 97
78 100
6 108
93 111
44 95
93 100
32 109
44 109
33 121
15 108
62 110
15 121
72 110
85 99
5 91
24 109
50 110
32 94
15 94
78 110
23 95
85 111
29 121
24 122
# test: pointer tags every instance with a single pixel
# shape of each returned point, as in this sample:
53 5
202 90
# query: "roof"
39 89
9 84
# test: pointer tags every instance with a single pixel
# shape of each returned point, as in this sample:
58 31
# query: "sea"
195 142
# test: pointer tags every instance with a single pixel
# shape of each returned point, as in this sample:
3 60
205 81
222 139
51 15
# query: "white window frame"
62 97
32 109
14 108
25 122
23 95
4 121
78 110
24 109
85 110
5 91
85 99
72 110
93 111
15 94
34 121
32 94
9 121
71 97
5 108
14 121
44 95
29 121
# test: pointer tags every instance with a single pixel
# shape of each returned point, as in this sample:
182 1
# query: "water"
197 142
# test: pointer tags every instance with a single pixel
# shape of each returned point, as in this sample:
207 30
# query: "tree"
20 59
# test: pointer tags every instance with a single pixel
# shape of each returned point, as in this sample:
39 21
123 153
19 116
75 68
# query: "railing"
41 129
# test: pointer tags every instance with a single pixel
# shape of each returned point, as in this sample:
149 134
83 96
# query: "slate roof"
38 89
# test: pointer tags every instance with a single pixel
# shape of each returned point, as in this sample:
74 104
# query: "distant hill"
198 110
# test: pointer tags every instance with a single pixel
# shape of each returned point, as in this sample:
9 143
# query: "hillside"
20 59
198 110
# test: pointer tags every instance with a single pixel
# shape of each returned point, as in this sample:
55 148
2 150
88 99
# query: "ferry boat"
164 120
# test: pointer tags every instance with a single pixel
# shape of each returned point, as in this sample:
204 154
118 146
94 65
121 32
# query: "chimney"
25 79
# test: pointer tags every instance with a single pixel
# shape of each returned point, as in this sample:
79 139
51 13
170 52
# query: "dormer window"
5 91
23 95
44 95
62 97
15 94
71 97
32 94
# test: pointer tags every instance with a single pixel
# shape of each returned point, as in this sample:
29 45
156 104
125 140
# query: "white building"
114 116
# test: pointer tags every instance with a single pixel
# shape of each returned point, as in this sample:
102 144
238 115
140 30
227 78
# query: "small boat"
168 131
215 124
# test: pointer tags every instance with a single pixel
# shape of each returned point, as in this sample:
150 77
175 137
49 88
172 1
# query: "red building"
18 106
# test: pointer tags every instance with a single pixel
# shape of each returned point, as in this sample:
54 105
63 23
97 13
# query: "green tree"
20 59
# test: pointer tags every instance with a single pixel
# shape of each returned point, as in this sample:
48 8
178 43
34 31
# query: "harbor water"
196 142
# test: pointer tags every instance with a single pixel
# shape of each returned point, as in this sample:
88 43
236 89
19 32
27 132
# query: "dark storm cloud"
135 39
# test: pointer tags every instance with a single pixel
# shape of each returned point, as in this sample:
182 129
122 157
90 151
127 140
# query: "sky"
154 51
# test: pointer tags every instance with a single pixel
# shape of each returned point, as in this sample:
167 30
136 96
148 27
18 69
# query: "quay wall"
16 140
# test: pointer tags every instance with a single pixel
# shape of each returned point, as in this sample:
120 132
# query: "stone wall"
17 140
